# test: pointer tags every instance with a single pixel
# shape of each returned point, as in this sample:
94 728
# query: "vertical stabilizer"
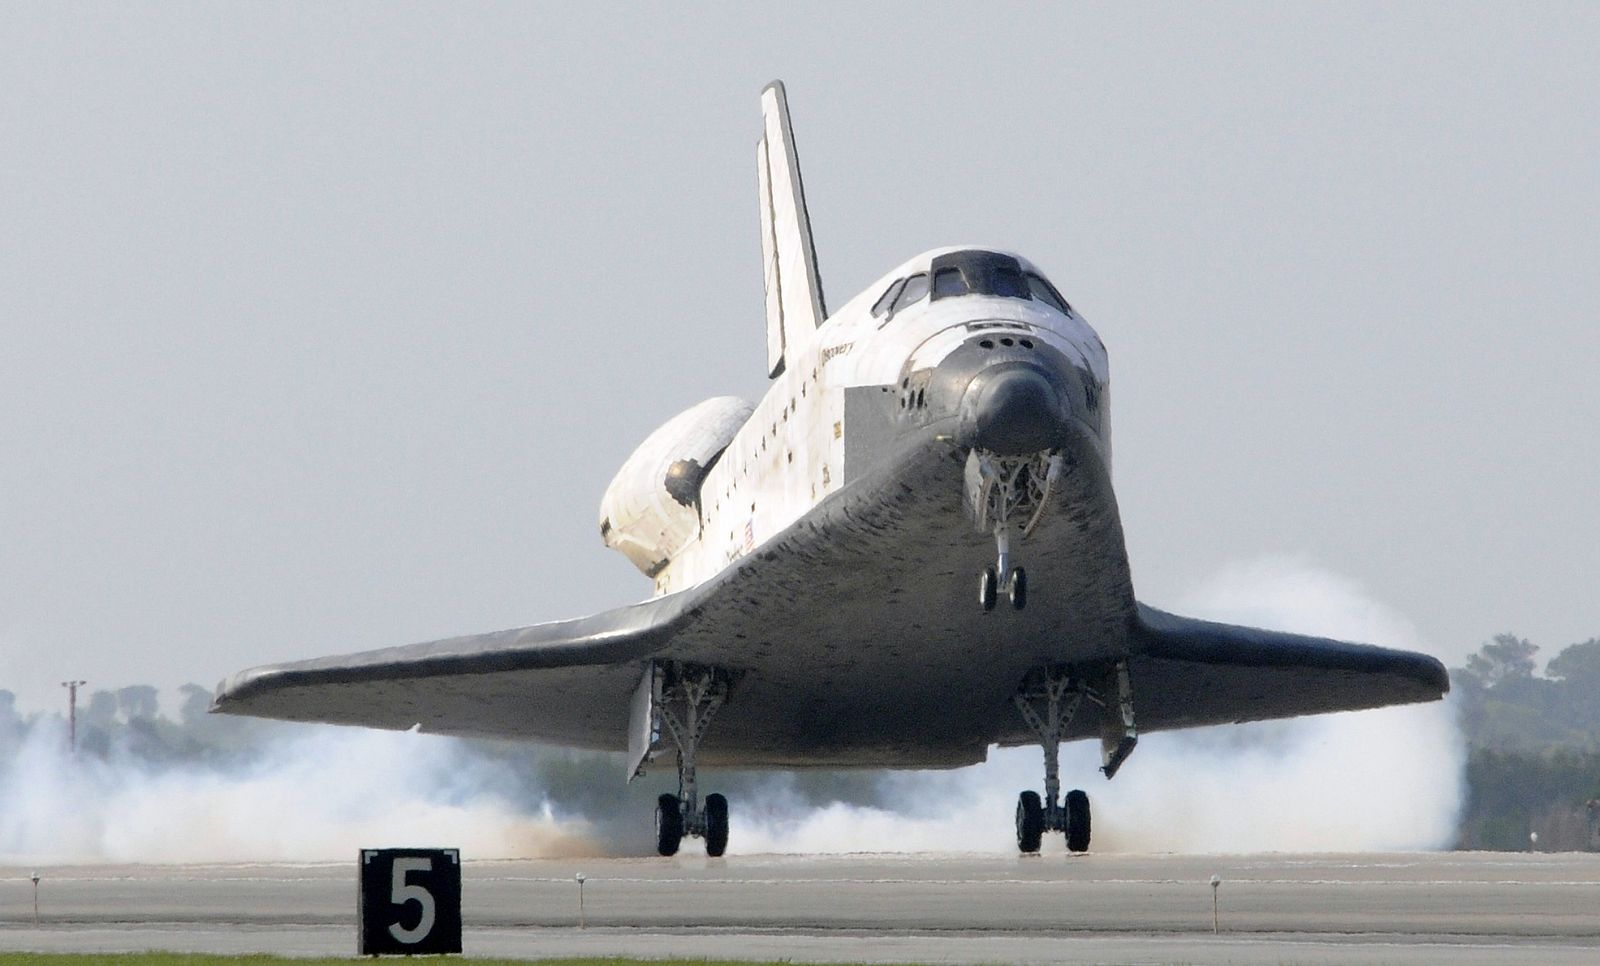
794 289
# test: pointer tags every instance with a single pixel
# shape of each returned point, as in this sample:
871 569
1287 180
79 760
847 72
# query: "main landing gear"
1048 700
1006 494
690 697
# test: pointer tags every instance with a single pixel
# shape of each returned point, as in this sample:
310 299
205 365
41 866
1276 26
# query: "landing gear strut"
1006 494
690 697
1048 700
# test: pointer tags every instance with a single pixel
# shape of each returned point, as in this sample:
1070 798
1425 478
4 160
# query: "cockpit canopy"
971 272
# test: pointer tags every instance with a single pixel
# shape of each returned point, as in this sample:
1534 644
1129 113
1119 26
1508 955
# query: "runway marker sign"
409 902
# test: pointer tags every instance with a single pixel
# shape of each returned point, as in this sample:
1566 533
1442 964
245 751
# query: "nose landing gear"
1015 587
1003 493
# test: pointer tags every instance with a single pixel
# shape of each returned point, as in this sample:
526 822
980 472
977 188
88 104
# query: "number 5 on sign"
410 902
404 892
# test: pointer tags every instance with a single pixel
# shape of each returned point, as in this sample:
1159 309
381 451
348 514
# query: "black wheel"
716 825
1019 588
669 825
1030 822
1077 821
988 588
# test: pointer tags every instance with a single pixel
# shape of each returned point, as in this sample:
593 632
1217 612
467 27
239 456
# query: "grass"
264 960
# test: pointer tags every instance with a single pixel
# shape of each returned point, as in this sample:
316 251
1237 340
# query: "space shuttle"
908 551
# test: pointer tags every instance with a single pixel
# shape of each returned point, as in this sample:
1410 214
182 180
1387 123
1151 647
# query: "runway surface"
1460 908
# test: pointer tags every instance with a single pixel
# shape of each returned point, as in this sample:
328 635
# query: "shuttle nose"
1013 410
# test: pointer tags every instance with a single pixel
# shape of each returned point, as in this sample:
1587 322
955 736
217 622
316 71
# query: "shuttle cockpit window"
969 273
887 298
947 282
1046 293
1008 282
979 273
916 289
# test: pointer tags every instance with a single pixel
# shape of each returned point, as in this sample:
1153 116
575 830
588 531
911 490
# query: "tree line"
1533 745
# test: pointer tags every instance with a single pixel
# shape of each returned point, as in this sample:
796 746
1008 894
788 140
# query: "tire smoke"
318 795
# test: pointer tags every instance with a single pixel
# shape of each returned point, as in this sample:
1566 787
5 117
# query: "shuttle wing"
1191 672
566 681
574 681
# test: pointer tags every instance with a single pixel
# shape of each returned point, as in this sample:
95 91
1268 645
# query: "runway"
1461 908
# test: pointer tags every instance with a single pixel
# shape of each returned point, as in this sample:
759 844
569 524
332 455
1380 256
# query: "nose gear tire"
988 589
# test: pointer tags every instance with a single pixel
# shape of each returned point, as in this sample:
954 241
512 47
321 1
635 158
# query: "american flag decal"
749 534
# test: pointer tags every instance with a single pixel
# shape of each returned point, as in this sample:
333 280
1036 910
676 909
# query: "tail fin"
794 289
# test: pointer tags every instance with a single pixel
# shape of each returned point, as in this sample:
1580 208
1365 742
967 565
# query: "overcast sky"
325 326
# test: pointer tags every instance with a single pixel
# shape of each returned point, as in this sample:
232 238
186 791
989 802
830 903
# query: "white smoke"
317 796
1382 780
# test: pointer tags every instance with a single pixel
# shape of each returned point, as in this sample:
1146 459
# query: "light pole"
1216 883
72 712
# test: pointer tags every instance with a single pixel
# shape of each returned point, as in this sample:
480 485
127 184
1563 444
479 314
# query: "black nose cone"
1014 410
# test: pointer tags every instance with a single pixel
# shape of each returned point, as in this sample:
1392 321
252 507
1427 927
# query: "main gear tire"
669 825
1077 821
1030 822
716 825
